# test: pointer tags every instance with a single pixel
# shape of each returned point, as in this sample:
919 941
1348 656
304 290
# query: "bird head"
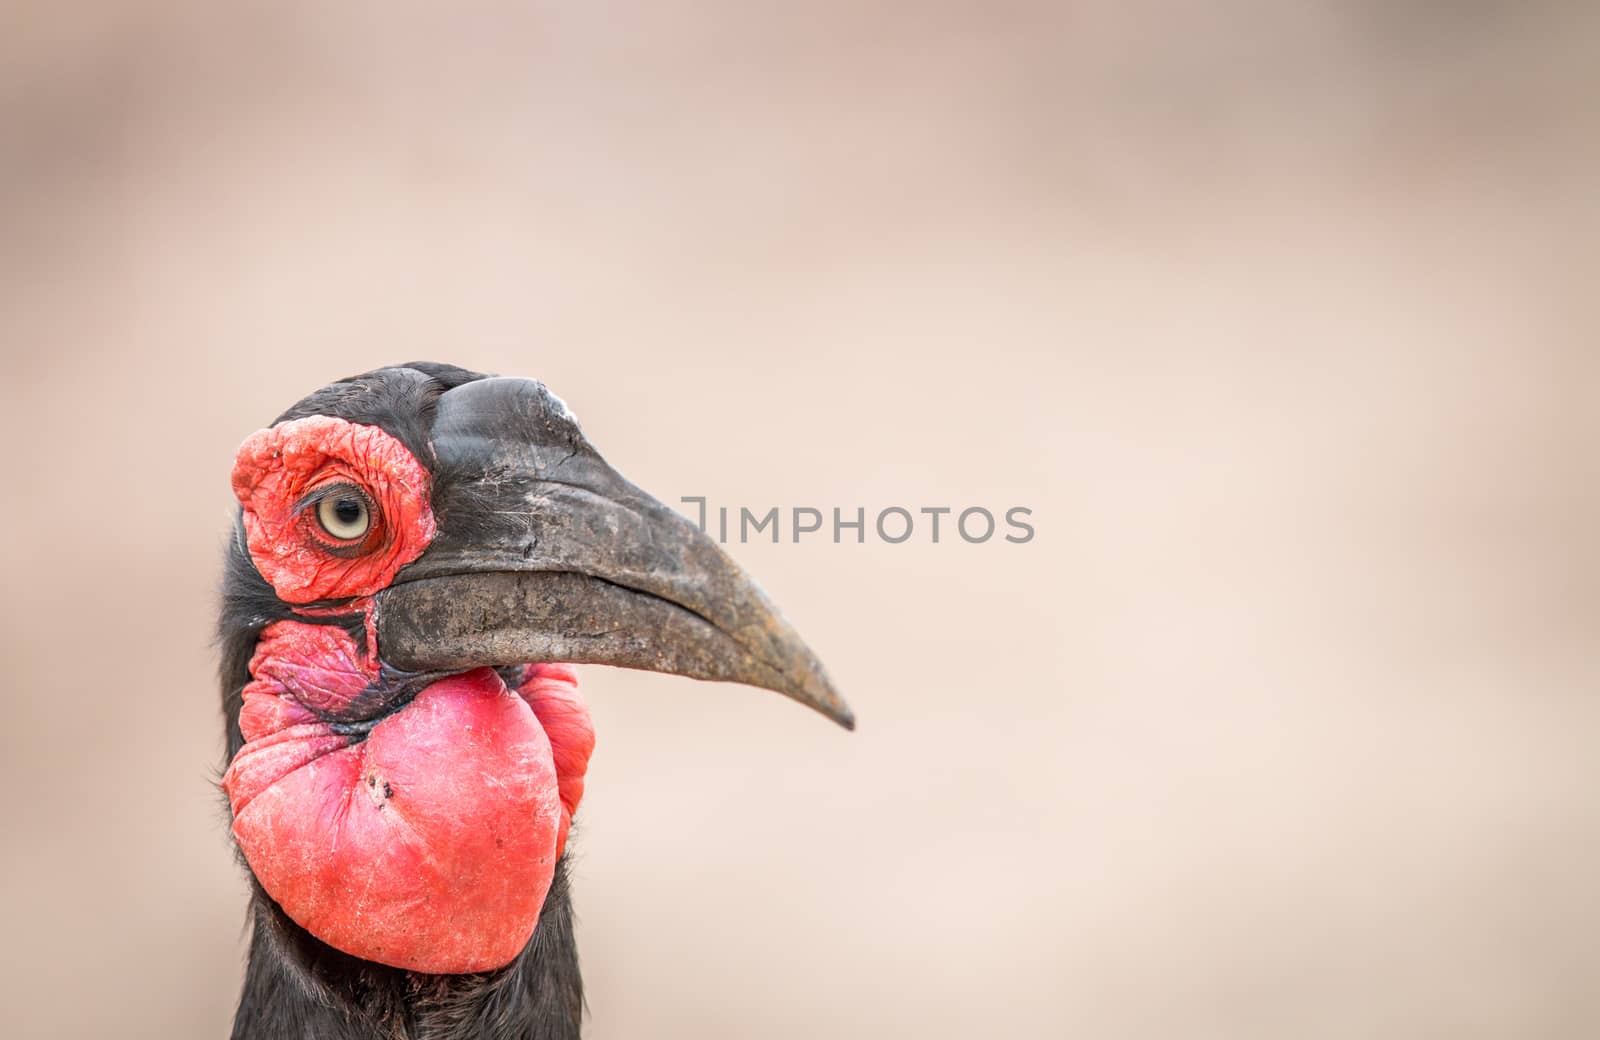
420 556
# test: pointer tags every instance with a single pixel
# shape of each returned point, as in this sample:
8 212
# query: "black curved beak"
545 553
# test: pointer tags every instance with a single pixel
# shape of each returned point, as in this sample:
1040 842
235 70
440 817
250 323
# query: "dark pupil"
348 510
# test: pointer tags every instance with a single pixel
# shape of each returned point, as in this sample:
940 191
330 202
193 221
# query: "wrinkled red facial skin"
275 472
429 841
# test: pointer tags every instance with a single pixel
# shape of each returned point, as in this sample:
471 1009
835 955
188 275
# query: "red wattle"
551 690
428 846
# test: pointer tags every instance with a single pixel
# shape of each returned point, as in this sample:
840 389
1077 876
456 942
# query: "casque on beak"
545 553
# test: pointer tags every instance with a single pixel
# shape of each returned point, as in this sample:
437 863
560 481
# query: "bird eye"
344 515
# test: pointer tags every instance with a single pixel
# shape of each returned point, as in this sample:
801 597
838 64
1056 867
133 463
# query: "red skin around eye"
278 467
431 844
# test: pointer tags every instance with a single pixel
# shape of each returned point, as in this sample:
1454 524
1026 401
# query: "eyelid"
317 494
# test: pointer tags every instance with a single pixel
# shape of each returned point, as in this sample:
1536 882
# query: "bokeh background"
1280 316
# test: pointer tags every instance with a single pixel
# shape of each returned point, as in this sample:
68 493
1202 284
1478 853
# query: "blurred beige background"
1281 317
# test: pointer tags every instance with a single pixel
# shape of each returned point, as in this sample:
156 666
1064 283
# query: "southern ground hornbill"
421 553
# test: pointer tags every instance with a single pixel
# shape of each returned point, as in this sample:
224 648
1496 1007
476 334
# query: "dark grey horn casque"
545 553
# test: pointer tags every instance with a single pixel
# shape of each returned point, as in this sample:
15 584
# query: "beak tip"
834 707
816 691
